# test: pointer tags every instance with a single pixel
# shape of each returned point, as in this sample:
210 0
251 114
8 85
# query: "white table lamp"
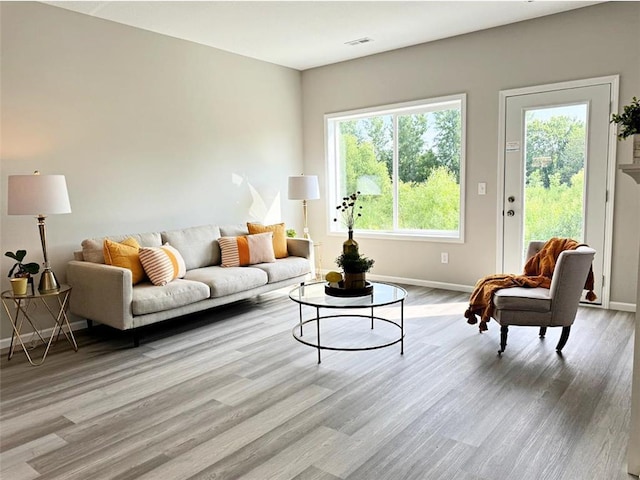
304 187
39 195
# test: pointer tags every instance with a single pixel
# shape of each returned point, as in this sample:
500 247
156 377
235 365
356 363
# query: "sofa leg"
504 331
136 339
563 338
543 331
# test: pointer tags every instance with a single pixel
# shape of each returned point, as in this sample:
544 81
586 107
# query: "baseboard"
421 283
622 307
26 337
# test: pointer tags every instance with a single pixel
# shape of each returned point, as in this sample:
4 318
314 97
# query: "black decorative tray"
350 292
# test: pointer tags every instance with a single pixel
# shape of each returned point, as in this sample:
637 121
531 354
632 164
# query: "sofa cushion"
92 248
279 236
148 298
162 264
124 254
285 268
197 245
247 249
520 298
228 280
233 230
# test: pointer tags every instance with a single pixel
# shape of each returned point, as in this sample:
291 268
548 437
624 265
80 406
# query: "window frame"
414 107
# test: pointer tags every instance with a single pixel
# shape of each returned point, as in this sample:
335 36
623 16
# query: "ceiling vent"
359 41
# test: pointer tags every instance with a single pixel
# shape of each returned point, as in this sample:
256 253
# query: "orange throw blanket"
537 273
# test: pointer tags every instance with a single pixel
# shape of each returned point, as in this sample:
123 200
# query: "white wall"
585 43
150 131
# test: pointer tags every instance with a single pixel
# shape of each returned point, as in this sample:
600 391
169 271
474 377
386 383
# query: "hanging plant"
629 120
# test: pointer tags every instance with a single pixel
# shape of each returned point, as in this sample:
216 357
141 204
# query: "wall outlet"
444 257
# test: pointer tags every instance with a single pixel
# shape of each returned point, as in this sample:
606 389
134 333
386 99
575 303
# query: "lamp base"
48 282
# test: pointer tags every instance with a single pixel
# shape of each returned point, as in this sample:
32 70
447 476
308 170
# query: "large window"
407 162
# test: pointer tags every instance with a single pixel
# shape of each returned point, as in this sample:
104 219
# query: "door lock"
511 199
511 213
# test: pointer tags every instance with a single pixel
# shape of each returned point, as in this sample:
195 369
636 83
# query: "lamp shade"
37 195
304 187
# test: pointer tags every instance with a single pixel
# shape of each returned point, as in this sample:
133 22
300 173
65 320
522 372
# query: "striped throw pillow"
247 249
162 264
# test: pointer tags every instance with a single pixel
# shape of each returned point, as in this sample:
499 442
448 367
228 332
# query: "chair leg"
504 331
563 338
543 331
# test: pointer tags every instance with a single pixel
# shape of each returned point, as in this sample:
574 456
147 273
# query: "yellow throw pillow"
125 255
279 236
246 250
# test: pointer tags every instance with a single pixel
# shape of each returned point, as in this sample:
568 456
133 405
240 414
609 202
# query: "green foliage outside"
554 211
431 205
428 170
554 146
554 190
361 162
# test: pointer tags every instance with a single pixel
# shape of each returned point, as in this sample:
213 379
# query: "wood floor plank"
295 459
313 473
198 458
230 394
19 471
119 393
97 456
27 451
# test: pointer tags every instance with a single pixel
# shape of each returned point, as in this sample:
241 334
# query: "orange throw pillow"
125 255
279 236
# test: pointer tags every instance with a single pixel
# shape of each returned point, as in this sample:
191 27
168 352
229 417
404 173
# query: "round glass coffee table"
313 295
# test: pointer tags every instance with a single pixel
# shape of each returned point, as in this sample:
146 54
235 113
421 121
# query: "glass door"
555 169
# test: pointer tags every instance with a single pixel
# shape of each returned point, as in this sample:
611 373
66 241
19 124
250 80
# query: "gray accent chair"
541 307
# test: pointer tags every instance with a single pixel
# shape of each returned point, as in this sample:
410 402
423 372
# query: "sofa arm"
103 293
300 247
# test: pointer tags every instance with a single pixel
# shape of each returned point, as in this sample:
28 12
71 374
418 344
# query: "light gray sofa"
105 294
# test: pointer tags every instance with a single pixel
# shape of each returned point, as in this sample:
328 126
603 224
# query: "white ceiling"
304 35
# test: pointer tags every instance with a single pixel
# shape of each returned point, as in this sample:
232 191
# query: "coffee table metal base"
298 334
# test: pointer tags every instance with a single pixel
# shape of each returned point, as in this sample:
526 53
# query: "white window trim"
417 106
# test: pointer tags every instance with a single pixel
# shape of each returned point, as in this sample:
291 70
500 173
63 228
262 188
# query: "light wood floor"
230 394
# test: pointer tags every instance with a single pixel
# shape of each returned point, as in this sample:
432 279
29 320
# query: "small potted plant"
22 270
355 267
629 125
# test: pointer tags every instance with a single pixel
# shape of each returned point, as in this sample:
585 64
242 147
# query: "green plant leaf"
31 268
18 256
628 120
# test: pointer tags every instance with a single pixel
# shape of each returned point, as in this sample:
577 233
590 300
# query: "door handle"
511 213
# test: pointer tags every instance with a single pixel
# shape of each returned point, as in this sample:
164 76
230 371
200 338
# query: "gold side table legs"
20 314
